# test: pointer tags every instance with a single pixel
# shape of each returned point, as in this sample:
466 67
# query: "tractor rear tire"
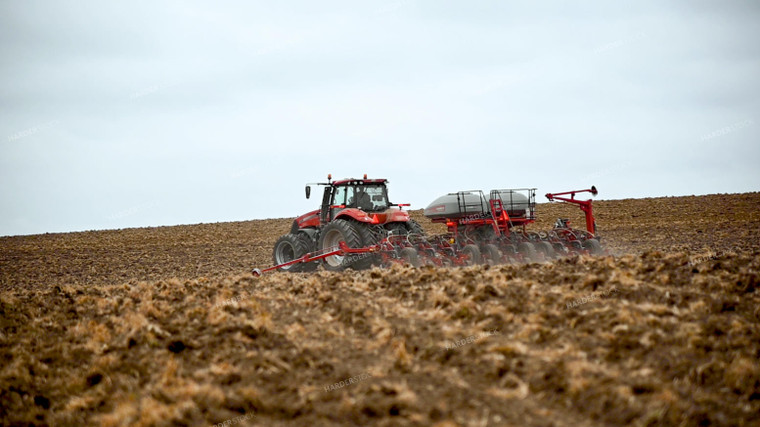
473 253
547 249
397 228
403 228
341 230
368 239
288 248
528 251
493 254
593 247
414 227
410 256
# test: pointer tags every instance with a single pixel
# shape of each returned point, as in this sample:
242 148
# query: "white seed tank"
468 203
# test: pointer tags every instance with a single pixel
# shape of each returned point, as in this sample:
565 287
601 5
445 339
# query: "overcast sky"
152 113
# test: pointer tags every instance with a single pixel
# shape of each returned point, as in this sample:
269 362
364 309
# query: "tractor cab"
371 197
362 200
368 196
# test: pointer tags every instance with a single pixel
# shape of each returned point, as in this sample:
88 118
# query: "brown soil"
165 326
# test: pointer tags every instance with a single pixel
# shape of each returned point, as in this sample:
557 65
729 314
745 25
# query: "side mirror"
308 191
593 190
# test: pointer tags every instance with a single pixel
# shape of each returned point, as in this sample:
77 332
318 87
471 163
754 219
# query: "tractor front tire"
288 248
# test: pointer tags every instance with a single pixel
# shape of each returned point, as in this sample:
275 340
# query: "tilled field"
164 326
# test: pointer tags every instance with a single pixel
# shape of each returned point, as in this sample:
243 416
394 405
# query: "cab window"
371 198
343 195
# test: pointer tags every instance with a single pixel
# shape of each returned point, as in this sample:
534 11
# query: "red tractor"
354 211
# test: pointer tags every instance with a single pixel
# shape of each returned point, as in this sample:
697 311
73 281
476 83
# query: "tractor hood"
309 219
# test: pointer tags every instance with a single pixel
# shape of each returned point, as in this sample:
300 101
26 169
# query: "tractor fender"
389 216
355 214
397 215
